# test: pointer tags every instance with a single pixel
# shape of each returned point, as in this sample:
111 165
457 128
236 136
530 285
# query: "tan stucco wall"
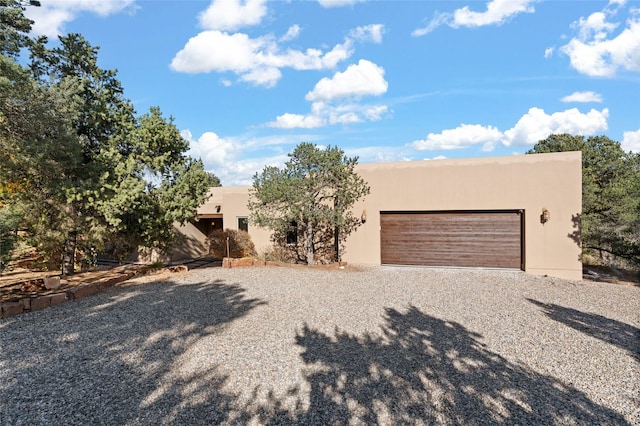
234 206
193 243
524 182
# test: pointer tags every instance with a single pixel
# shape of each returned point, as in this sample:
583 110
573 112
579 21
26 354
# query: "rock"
84 291
38 303
52 283
58 298
9 309
237 262
27 304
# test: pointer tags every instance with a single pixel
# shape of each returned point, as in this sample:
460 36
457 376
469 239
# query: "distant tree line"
610 219
80 170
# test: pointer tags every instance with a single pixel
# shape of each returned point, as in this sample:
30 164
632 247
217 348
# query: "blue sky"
247 80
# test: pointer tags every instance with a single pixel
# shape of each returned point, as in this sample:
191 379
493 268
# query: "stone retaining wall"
36 303
251 261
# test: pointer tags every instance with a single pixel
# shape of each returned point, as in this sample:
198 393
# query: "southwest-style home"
519 212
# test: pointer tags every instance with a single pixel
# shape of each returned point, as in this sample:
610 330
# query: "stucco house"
518 212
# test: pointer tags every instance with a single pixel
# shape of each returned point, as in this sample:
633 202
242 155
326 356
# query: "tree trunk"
310 244
336 232
69 254
336 243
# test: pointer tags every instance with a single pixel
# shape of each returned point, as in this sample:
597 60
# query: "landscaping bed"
26 291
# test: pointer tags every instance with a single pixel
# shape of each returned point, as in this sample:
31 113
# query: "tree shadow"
83 371
616 333
576 235
424 370
190 242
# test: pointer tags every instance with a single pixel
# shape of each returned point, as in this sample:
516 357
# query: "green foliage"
240 244
277 253
14 26
87 172
315 191
610 217
9 222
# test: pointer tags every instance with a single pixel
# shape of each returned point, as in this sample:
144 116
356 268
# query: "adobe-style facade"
517 212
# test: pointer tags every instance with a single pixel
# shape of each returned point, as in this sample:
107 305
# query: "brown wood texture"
464 239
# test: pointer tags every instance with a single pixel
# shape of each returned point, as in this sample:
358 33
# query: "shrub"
240 244
295 250
277 254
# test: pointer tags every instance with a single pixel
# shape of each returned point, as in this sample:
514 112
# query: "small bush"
277 254
296 252
240 244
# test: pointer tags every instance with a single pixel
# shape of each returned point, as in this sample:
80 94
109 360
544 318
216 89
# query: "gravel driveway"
281 346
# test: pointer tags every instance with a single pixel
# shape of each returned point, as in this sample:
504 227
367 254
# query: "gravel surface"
375 345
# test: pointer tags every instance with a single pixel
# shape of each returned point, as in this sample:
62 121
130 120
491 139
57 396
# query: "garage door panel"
474 239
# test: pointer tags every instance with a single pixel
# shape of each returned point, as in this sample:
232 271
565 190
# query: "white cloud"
338 3
262 76
371 33
583 97
292 33
463 136
213 150
498 12
297 121
361 79
220 51
255 60
532 127
50 17
259 60
232 14
438 20
333 99
595 26
597 52
352 113
240 172
536 125
235 160
548 52
323 114
631 141
370 154
374 112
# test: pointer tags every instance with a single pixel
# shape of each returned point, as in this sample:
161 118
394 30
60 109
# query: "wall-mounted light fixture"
363 217
545 216
218 208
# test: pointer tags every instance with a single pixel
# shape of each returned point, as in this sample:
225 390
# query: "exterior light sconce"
218 209
363 217
545 216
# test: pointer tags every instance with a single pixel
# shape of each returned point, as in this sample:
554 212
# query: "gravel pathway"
372 346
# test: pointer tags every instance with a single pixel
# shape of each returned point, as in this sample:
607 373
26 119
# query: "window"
243 224
292 233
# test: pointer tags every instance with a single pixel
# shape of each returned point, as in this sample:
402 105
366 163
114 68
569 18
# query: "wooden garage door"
491 239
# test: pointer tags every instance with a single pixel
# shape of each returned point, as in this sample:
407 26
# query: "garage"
487 239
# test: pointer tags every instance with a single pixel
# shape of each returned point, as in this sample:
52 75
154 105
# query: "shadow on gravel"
614 332
425 371
119 357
